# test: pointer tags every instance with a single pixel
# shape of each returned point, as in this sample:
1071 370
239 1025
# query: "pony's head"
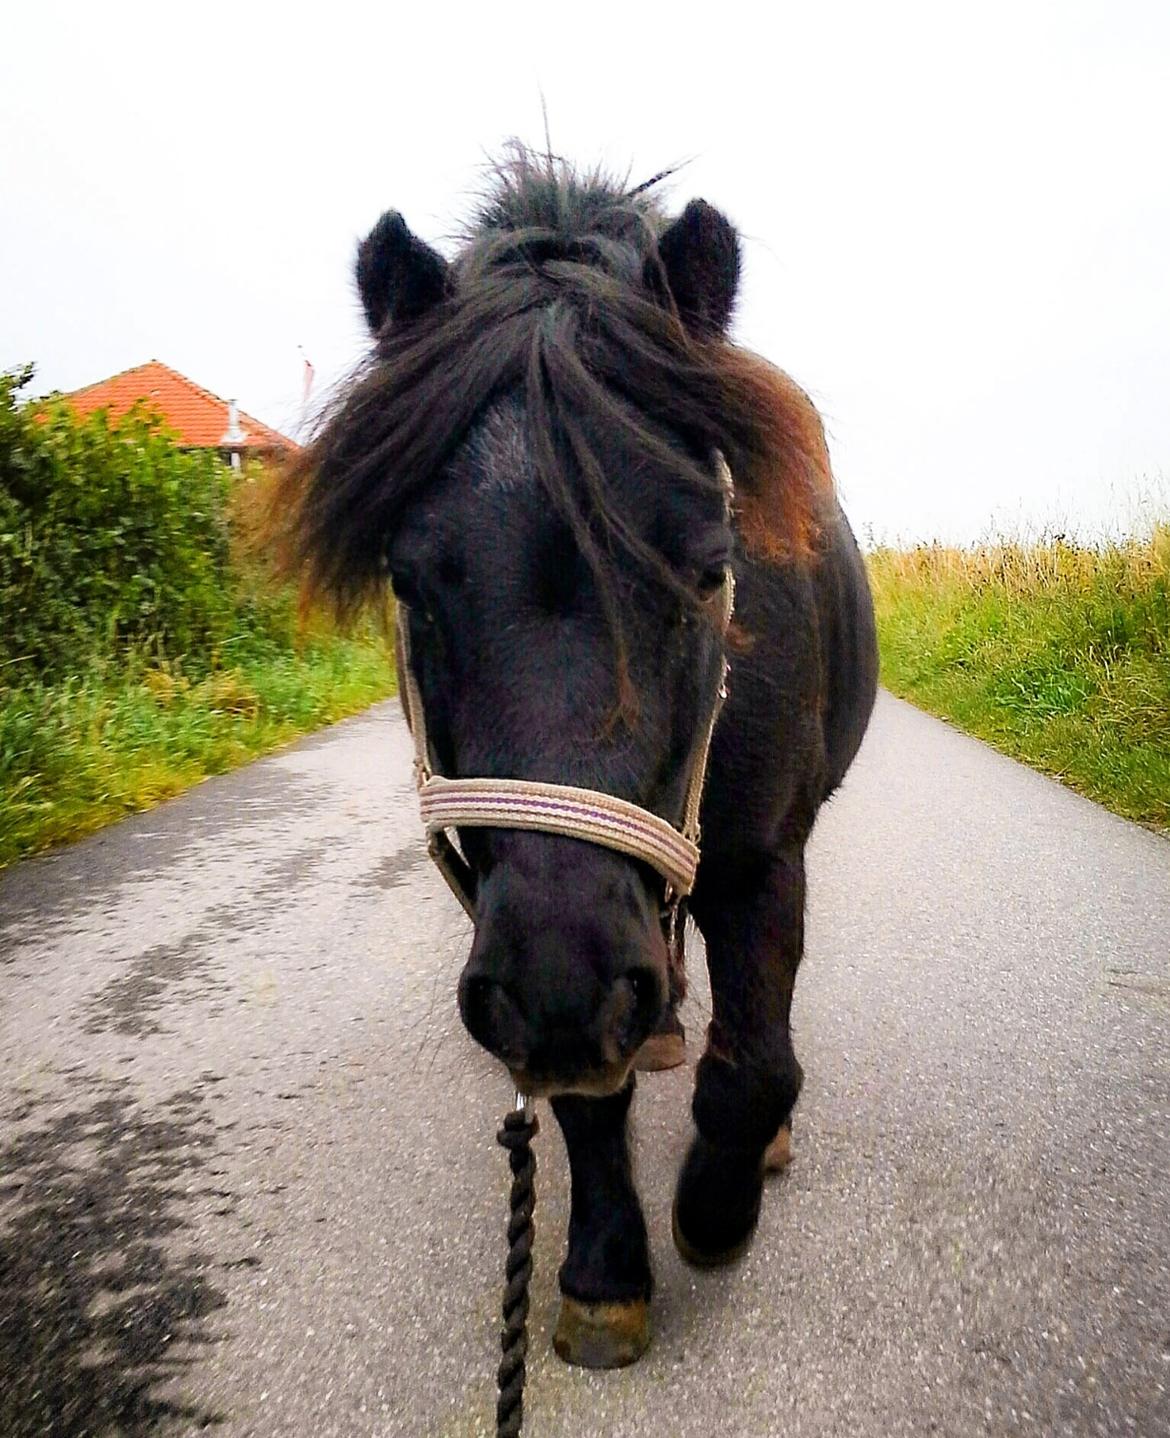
530 456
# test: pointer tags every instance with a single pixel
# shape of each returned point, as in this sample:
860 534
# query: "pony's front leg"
605 1278
748 1079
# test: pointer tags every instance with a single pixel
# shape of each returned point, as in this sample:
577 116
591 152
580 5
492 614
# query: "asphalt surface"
249 1183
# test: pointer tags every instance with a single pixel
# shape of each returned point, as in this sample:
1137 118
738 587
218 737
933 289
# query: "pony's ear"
700 255
398 277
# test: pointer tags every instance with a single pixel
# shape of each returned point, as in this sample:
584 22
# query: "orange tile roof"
198 417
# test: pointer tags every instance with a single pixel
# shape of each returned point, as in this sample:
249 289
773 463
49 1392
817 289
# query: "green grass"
80 753
1056 653
145 643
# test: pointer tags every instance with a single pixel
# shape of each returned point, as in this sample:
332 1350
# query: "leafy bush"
111 539
142 642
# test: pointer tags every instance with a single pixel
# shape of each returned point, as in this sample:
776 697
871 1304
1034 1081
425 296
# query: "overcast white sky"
957 218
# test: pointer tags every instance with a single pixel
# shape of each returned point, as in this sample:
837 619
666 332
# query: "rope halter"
587 814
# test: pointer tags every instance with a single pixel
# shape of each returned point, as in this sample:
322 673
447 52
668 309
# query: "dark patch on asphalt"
289 874
187 969
38 899
97 1307
131 1003
395 868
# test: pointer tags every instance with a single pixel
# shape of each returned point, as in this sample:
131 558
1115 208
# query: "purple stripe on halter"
674 842
470 799
500 818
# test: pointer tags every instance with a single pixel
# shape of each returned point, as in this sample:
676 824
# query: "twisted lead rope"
516 1136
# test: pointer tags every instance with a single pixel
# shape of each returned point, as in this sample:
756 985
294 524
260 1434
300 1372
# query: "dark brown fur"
576 338
528 454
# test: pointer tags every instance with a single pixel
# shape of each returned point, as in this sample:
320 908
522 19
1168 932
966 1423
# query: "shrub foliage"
142 642
111 539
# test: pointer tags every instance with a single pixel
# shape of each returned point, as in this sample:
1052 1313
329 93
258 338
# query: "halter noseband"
586 814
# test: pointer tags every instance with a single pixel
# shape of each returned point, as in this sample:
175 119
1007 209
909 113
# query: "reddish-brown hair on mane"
783 488
559 297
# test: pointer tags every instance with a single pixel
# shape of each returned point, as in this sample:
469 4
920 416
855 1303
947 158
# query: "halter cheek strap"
586 814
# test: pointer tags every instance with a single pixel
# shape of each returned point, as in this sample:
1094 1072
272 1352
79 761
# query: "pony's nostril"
630 1011
474 1000
649 993
492 1018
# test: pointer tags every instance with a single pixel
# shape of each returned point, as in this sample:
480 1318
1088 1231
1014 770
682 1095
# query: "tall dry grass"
1056 651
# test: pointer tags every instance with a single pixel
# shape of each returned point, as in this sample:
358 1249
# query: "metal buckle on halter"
671 903
672 924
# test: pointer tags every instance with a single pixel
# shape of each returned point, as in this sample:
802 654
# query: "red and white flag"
308 379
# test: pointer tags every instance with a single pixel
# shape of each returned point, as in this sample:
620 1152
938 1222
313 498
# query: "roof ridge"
255 429
120 374
192 384
157 364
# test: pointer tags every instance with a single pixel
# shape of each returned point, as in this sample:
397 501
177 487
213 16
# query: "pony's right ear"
700 256
399 277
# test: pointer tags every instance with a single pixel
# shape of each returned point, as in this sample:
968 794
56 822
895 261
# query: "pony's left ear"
700 255
399 277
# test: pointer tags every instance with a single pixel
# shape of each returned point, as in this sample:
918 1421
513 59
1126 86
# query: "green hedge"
141 648
111 539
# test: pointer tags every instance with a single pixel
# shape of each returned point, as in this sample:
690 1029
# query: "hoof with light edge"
666 1047
602 1335
778 1154
661 1051
701 1258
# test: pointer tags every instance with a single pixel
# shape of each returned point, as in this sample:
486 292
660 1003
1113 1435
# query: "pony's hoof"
666 1047
602 1335
778 1154
716 1204
702 1257
661 1051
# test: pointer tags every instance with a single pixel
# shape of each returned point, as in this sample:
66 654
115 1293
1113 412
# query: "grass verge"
1056 653
79 753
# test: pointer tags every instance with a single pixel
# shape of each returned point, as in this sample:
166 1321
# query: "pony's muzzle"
564 1046
567 973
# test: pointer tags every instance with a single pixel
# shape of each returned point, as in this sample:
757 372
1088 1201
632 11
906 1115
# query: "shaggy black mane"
559 296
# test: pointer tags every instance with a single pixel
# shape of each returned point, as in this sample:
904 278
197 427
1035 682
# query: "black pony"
531 455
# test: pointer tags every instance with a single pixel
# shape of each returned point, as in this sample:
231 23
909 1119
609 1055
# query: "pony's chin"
599 1083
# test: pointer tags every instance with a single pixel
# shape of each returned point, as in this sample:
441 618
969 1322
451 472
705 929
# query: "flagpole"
307 377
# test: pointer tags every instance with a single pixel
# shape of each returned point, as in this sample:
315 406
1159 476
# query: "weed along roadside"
1056 653
141 648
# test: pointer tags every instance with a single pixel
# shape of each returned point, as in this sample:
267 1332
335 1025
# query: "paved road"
248 1178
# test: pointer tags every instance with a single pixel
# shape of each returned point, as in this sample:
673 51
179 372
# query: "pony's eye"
421 614
711 579
707 563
